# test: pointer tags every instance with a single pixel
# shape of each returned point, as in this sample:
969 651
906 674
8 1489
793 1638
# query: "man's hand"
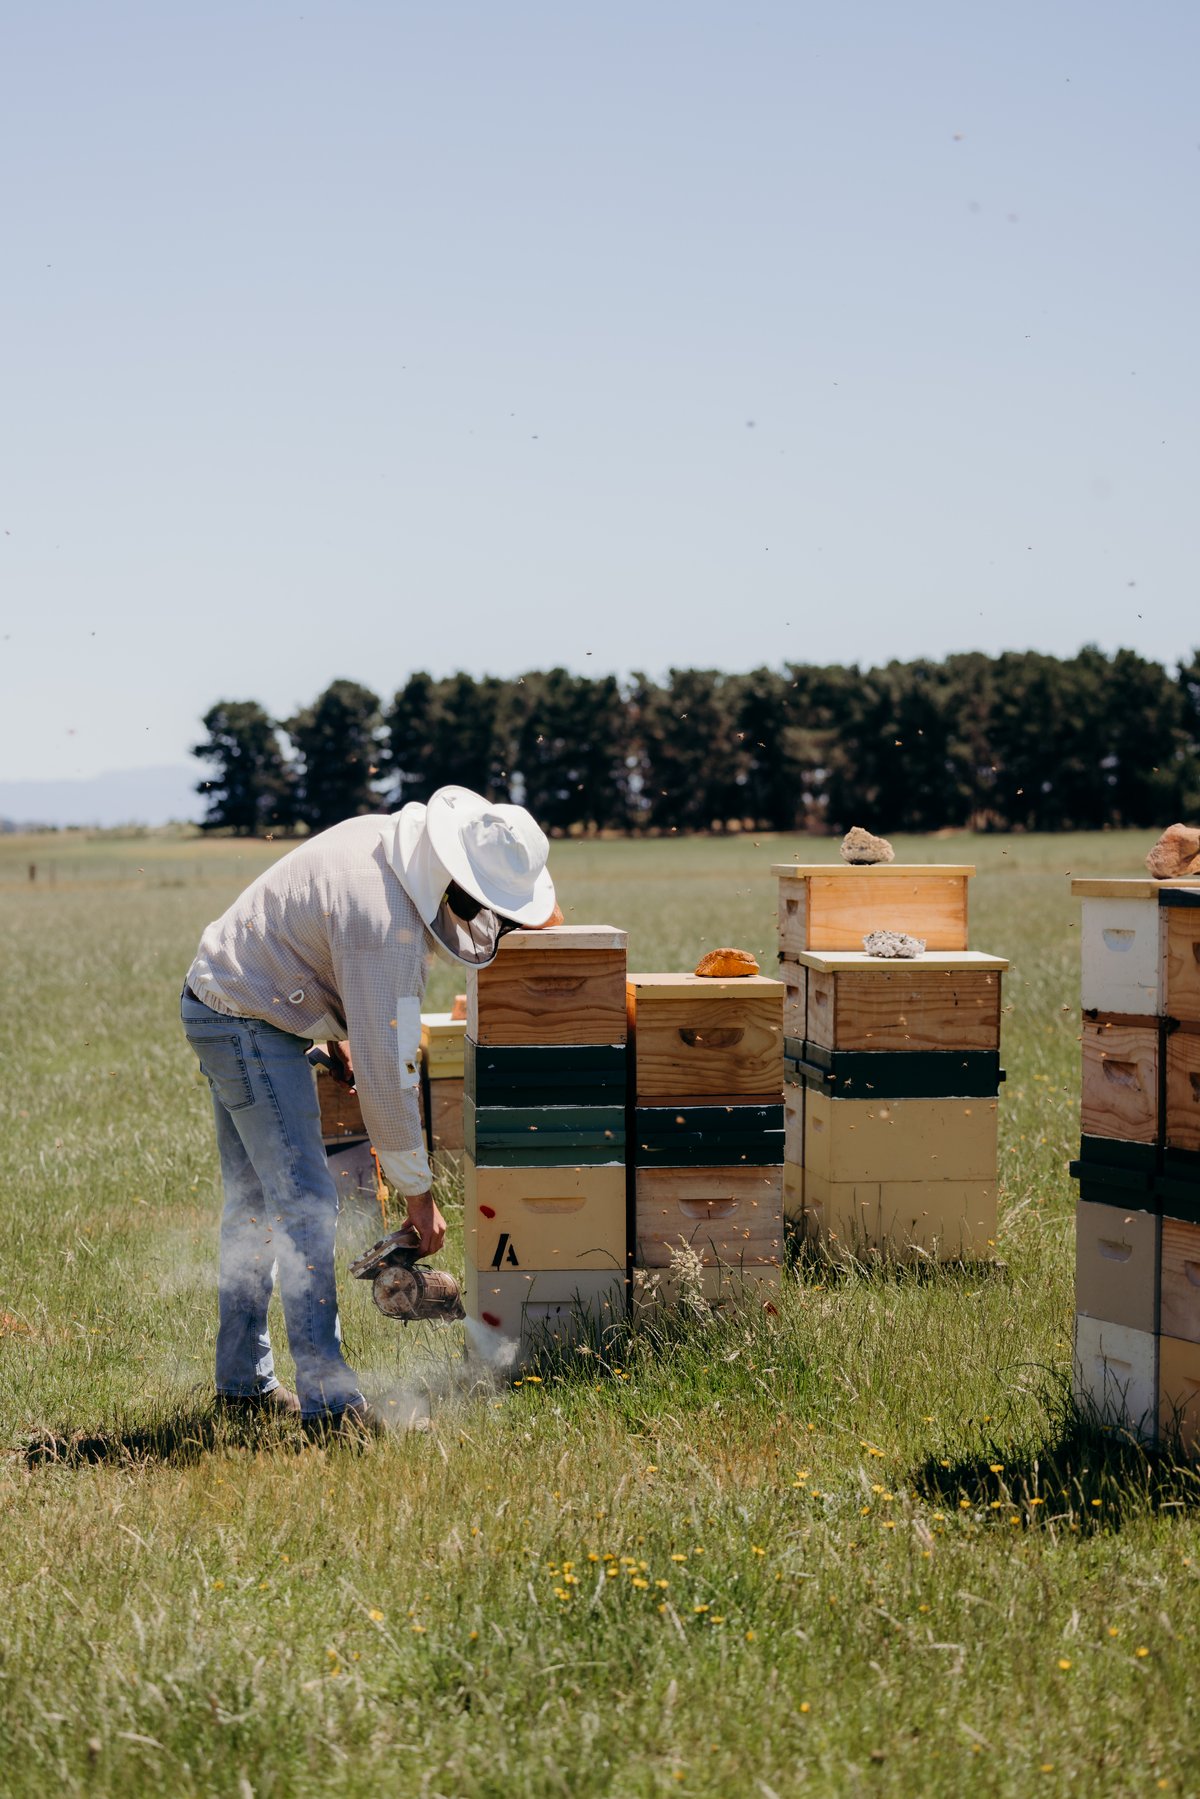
556 917
428 1222
343 1066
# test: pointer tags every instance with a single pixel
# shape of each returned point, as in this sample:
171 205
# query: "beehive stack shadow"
892 1067
1137 1268
706 1138
544 1203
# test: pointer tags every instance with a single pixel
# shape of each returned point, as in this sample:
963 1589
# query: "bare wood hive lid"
1128 887
870 871
566 936
699 986
940 961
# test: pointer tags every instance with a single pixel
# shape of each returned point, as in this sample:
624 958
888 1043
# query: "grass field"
862 1546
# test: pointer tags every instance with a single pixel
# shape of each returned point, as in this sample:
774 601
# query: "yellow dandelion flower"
749 1636
1064 1662
805 1706
637 1581
218 1583
1113 1630
1142 1651
679 1558
418 1630
473 1636
964 1505
755 1550
699 1608
996 1467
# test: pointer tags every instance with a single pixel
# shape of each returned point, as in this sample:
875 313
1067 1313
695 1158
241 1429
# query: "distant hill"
124 796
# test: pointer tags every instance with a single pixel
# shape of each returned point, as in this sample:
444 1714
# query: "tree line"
1021 741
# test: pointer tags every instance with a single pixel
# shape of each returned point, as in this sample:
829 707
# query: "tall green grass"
862 1545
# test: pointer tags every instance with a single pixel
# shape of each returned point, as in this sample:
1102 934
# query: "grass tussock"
856 1542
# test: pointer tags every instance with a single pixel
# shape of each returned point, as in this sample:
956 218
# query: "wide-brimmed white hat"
495 852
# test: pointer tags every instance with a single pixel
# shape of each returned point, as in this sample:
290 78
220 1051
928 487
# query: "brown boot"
280 1402
354 1423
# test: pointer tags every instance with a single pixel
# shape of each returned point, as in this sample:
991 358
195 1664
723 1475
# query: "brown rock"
1177 852
721 964
860 847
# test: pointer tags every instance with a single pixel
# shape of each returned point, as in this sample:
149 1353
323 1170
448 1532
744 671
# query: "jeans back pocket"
222 1061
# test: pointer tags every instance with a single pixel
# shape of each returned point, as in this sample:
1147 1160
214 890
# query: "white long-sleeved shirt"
327 943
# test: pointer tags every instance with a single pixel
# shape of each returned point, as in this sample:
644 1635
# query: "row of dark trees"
1020 741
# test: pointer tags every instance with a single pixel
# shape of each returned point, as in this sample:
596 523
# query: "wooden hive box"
1179 1393
730 1217
1120 946
517 1316
752 1288
1179 1292
702 1042
446 1117
543 1136
1182 1122
1117 1265
341 1114
707 1136
1181 955
579 1074
832 906
1116 1376
900 1073
563 985
904 1140
443 1040
953 1220
944 1001
1114 1172
1119 1094
545 1218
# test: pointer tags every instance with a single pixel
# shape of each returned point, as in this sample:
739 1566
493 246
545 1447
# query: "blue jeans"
280 1210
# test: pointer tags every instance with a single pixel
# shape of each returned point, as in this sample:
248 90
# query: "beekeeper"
334 942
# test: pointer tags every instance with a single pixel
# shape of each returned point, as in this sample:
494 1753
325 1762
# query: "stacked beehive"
706 1158
544 1125
344 1134
443 1038
1137 1328
892 1066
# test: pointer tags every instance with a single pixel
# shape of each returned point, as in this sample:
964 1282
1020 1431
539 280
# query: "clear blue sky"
343 339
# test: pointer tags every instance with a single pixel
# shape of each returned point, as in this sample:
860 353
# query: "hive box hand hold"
545 1218
564 985
1182 1122
832 906
939 1002
948 1219
699 1041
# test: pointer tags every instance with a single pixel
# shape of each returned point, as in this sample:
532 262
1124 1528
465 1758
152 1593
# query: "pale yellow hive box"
442 1045
833 905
